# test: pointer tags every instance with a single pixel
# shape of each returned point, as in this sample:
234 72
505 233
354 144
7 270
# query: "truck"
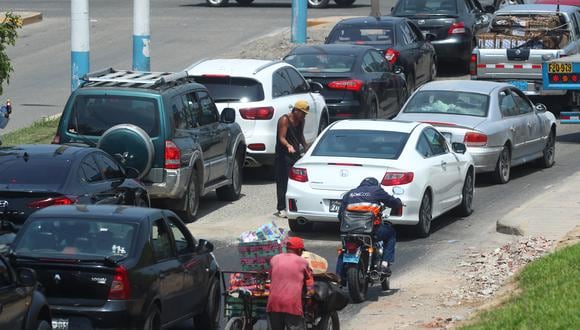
564 74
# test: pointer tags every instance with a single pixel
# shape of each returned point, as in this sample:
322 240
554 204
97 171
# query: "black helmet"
370 181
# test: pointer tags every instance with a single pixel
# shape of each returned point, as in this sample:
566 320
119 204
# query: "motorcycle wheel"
357 282
386 283
329 321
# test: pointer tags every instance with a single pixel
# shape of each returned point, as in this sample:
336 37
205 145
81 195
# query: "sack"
318 264
357 223
330 296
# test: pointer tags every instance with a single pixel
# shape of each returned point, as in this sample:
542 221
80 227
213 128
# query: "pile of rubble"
486 272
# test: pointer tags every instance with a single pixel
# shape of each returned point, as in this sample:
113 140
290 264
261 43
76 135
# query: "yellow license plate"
560 67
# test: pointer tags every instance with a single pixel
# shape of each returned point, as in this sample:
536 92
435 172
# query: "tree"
8 36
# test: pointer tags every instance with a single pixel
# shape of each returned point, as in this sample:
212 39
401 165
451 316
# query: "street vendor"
291 278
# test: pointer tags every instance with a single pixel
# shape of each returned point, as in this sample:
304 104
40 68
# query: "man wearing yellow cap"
289 138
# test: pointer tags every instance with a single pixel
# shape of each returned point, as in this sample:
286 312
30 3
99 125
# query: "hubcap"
426 214
314 2
468 191
236 178
433 70
550 148
505 164
192 198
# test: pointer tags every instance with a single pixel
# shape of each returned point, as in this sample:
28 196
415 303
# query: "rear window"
231 89
94 114
449 103
425 7
76 238
361 144
46 173
363 35
321 63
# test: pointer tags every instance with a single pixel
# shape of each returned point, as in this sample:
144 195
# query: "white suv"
261 92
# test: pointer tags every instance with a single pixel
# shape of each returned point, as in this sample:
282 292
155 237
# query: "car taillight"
350 85
473 65
456 28
56 139
61 200
397 178
172 156
392 55
351 246
261 113
120 286
475 139
298 174
397 212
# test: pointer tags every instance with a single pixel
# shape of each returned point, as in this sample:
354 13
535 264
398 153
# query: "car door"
98 189
424 50
301 91
535 138
195 267
14 300
514 124
218 135
384 82
184 122
113 177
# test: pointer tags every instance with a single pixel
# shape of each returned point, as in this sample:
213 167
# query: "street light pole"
141 36
80 41
375 8
299 21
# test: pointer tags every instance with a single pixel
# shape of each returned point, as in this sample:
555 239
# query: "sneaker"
281 214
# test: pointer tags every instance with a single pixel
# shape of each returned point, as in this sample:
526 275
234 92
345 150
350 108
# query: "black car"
36 176
106 266
22 306
358 81
399 39
454 24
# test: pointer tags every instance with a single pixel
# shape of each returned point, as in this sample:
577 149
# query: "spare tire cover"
132 144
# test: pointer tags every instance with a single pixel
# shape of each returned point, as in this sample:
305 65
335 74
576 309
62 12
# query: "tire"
344 3
501 174
386 283
329 321
357 283
153 321
423 228
318 3
373 111
233 191
210 318
466 206
433 70
549 154
191 199
43 325
295 227
235 323
216 3
323 123
244 2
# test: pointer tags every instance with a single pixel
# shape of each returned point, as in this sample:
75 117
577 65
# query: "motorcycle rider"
367 197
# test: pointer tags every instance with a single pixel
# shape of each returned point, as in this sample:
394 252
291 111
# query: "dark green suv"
164 125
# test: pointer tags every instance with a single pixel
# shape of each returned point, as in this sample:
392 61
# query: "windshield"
449 103
33 171
425 7
94 114
231 89
363 36
75 239
361 144
322 63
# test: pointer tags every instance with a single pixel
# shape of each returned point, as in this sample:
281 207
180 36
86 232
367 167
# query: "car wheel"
233 191
244 2
297 227
423 228
549 157
329 321
235 323
433 71
373 111
323 123
502 169
216 3
210 318
318 3
344 3
466 206
153 321
43 325
191 199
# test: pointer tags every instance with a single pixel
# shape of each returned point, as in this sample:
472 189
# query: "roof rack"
142 78
260 68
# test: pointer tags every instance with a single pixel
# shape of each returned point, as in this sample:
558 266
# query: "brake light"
61 200
56 139
172 156
120 286
350 85
473 65
392 55
351 246
475 139
298 174
261 113
397 212
397 178
456 28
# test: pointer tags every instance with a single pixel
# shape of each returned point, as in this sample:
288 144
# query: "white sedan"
435 177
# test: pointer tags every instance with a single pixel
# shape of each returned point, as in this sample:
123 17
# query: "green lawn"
40 132
550 297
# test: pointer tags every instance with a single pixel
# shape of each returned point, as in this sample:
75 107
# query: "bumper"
257 158
533 88
112 315
454 48
254 159
173 185
342 109
485 159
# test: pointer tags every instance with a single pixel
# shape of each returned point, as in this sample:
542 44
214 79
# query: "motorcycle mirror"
398 191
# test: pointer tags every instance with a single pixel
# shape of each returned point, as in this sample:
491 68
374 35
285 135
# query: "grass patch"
39 132
550 297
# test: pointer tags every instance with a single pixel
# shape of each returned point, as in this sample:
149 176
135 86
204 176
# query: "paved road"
183 31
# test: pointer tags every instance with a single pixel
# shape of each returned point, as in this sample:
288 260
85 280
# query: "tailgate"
511 64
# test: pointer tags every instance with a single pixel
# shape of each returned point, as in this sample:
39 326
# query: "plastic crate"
255 256
234 306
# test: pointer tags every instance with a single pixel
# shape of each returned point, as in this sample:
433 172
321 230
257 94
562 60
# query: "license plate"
334 205
350 258
560 67
60 324
521 85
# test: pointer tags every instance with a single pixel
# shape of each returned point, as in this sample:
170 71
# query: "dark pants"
281 167
283 321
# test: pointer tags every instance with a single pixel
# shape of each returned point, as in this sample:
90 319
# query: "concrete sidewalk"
26 17
551 214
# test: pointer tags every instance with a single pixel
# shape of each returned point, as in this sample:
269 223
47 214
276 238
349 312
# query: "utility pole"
375 8
299 21
141 36
80 41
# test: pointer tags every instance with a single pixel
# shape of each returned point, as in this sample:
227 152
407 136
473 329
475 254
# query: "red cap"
295 243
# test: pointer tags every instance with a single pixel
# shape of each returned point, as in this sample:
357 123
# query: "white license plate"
60 324
334 205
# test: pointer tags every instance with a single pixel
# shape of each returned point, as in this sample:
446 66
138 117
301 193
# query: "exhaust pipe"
302 221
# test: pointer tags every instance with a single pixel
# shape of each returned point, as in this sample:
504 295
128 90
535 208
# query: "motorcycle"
321 311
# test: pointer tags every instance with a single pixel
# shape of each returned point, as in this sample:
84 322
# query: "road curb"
26 17
326 20
511 227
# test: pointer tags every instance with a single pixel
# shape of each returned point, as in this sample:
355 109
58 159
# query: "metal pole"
299 21
80 41
375 8
141 36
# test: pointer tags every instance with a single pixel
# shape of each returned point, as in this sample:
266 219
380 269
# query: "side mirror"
430 37
541 107
315 87
489 9
27 276
397 69
459 147
204 246
131 173
228 116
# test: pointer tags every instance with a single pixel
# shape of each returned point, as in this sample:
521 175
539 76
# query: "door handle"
443 164
513 128
530 125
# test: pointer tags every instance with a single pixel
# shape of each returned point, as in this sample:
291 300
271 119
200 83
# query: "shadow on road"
569 138
451 70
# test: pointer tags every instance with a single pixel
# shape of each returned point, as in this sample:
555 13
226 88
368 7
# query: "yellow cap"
302 106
